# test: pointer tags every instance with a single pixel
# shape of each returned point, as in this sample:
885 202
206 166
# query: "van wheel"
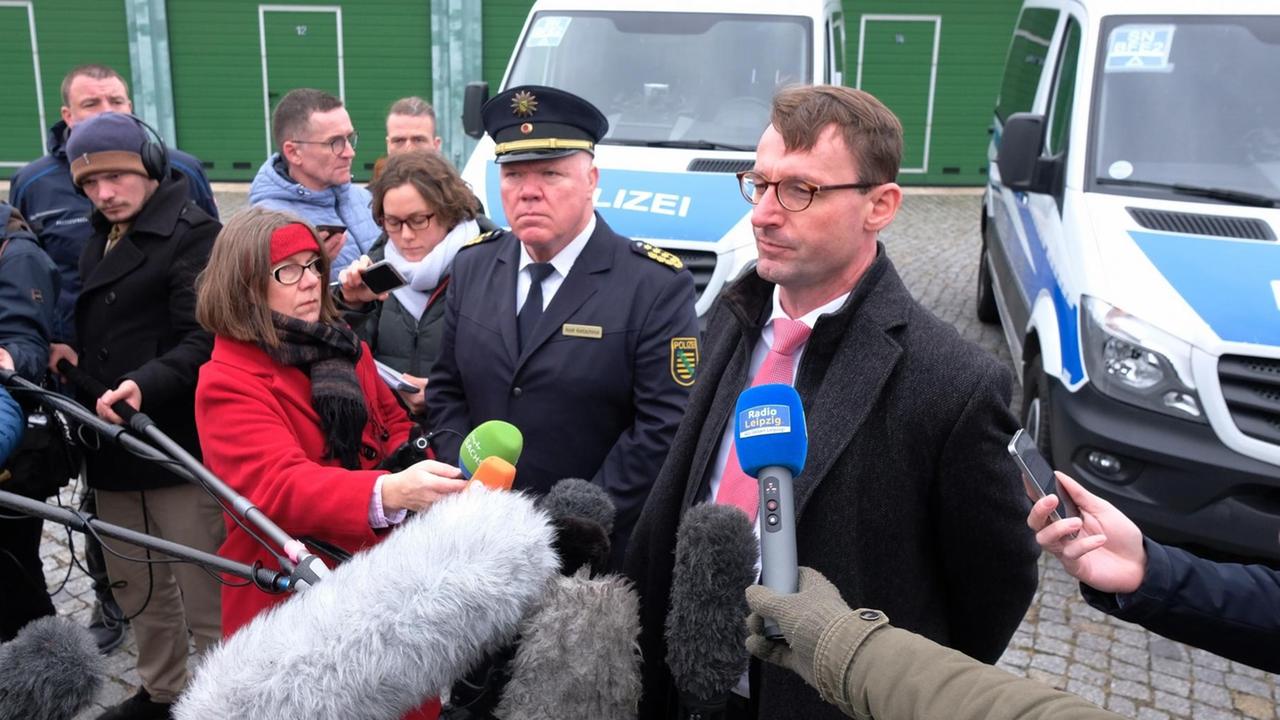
987 311
1035 406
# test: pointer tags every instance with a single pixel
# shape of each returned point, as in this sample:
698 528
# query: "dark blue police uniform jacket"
600 388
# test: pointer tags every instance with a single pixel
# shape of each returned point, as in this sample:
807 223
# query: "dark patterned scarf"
328 353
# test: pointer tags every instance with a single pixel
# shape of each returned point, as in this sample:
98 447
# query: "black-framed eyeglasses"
291 273
417 221
793 195
337 145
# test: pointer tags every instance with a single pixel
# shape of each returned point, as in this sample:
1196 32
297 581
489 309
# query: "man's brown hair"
231 292
436 181
97 72
414 106
870 130
293 114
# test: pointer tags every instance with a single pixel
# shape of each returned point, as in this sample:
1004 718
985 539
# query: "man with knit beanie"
136 332
42 191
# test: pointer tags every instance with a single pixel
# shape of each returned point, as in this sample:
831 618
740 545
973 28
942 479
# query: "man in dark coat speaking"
584 340
908 501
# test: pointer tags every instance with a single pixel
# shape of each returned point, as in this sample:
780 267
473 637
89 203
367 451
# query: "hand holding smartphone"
374 280
382 277
1038 476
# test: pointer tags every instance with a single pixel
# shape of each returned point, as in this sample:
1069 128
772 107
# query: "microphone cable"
160 459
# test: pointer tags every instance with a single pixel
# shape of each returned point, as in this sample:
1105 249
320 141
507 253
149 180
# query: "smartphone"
327 230
1037 475
382 277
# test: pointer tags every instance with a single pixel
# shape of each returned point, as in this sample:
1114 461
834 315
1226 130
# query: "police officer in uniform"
583 339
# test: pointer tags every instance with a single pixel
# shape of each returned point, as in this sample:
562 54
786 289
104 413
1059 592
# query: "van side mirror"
1022 169
473 99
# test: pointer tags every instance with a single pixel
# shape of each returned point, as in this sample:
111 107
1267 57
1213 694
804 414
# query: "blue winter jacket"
28 299
1229 609
346 204
12 422
43 192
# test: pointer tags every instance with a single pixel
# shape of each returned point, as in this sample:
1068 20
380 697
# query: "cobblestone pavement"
1061 642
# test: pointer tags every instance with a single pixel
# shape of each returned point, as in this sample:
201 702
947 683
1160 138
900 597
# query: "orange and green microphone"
488 455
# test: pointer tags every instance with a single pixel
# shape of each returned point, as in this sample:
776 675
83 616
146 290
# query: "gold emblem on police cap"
524 104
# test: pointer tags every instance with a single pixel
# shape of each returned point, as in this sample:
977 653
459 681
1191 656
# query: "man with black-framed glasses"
906 474
310 175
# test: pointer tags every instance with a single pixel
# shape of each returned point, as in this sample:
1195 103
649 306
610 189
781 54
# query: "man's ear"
66 115
291 152
885 201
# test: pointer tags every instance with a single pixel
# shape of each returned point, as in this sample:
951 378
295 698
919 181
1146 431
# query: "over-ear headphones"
154 154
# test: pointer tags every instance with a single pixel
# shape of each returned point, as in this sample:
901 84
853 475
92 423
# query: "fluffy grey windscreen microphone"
706 632
392 626
578 656
574 497
51 669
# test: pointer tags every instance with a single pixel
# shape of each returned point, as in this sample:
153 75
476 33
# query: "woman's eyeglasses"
291 273
420 221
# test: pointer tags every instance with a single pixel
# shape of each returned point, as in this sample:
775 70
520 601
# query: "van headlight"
1137 363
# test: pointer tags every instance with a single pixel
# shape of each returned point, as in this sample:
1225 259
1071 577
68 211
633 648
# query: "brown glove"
802 617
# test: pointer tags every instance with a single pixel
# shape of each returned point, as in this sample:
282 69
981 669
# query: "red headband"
290 239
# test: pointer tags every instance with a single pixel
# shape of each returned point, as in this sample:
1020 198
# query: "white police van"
1130 254
687 88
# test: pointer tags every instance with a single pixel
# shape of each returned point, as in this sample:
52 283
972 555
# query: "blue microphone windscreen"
769 429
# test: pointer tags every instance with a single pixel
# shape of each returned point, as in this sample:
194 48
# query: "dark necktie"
527 319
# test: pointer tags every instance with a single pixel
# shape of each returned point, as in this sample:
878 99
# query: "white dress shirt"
561 264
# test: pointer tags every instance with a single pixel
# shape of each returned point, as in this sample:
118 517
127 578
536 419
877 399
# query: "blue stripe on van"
670 206
1231 284
1043 278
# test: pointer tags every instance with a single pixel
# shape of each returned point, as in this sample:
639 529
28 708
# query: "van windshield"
698 80
1188 102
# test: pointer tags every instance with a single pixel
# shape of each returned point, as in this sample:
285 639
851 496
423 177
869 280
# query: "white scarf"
424 275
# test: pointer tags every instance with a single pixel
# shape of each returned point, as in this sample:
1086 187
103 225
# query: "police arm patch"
684 360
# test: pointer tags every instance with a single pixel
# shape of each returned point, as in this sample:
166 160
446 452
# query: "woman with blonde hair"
290 409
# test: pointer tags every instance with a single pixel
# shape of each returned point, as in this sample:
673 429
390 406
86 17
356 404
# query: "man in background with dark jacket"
43 192
136 332
28 292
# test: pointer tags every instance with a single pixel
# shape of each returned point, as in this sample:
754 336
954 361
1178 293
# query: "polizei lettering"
764 420
644 201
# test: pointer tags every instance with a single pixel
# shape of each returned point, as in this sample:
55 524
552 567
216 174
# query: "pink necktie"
736 487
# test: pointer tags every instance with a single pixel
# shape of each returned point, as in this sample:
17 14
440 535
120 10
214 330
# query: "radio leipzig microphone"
494 438
769 433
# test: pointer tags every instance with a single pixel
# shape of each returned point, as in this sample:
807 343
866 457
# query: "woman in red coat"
290 409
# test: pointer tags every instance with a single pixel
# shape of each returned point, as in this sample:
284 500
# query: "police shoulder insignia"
657 254
483 238
684 360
